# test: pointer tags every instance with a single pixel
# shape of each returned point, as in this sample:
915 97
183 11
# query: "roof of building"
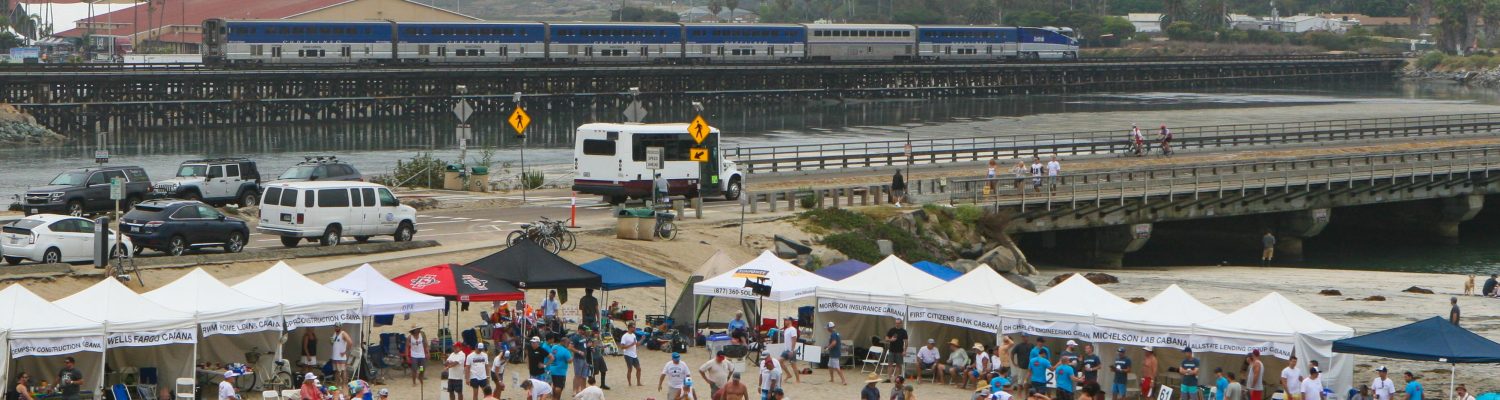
724 13
65 15
200 10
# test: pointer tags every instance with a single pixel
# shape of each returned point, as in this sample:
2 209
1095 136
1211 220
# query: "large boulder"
964 265
1007 259
1019 281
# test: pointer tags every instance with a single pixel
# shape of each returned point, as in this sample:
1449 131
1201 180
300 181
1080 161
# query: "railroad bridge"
83 99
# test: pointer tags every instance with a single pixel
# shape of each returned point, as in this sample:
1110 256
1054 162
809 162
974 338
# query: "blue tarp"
935 269
618 275
1432 339
842 270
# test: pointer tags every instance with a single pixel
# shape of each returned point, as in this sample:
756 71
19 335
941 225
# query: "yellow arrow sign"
698 154
699 129
519 120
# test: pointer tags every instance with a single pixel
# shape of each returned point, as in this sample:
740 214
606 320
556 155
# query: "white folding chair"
182 389
875 356
910 358
291 394
270 395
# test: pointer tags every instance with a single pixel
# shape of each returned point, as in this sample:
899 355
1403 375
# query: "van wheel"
248 199
192 195
331 236
734 190
404 233
362 239
290 242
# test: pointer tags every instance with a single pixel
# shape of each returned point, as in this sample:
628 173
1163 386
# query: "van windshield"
69 179
188 171
299 172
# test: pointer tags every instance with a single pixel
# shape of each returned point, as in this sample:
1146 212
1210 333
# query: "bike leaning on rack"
551 235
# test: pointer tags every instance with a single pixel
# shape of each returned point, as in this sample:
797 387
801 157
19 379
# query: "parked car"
51 238
86 191
329 211
215 182
320 168
177 226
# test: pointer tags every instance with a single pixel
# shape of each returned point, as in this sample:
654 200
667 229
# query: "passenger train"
386 42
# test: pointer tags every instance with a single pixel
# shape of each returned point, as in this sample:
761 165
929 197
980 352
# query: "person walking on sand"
1255 376
628 346
1148 372
1414 389
716 372
734 390
870 392
1453 314
1312 387
1291 379
790 336
417 342
1268 248
835 352
673 373
898 188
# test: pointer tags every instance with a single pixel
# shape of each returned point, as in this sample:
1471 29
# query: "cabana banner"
55 346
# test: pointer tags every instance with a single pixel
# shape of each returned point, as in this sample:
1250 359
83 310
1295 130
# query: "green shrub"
968 214
1430 61
839 219
855 245
423 170
533 179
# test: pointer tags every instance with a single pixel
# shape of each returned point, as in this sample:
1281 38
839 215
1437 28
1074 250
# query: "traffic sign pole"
519 121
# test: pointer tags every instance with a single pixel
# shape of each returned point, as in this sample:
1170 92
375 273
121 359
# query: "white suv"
50 238
329 211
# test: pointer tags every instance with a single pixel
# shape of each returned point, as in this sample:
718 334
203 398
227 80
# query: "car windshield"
69 179
299 172
188 171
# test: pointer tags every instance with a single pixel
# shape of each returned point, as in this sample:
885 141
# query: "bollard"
791 200
754 205
849 197
864 198
879 193
833 194
677 207
698 207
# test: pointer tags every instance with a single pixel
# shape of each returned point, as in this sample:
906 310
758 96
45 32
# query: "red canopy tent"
454 282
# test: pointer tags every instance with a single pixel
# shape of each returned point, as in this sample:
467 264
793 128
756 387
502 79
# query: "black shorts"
1063 395
479 383
632 362
559 381
456 385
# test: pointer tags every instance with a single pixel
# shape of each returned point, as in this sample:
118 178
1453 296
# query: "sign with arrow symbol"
519 120
698 154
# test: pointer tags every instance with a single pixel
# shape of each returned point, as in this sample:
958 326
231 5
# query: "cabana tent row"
981 305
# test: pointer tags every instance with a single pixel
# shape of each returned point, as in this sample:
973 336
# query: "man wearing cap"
1382 385
226 387
1148 372
310 388
1312 387
1291 378
835 353
1091 364
477 364
536 359
628 346
416 342
716 372
770 376
1121 368
982 364
673 373
1189 371
456 370
69 379
1413 388
958 361
557 366
927 358
735 390
497 368
896 337
687 392
1255 376
1069 351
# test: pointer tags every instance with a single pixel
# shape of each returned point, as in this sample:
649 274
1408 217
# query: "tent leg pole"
1452 377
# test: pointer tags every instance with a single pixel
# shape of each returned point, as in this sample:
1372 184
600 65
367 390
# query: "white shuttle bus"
610 161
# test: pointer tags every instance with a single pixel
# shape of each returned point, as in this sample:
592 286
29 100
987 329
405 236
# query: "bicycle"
567 240
539 233
122 265
665 228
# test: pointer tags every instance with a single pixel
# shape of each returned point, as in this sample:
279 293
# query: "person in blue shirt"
1413 388
1040 349
557 363
1221 385
1066 379
1189 371
1039 366
1122 375
738 327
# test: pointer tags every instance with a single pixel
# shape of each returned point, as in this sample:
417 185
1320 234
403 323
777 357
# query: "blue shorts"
1189 389
1118 388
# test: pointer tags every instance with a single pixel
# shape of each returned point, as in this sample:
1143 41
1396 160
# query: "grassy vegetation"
1436 61
857 233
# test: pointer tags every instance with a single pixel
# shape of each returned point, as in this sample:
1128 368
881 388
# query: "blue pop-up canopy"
938 270
842 270
617 275
1432 339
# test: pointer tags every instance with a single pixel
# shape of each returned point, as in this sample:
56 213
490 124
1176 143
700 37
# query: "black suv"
320 168
176 226
85 191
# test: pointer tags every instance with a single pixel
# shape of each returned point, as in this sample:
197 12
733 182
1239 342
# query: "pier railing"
811 157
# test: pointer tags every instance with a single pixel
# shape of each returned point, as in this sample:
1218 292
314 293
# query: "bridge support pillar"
1112 243
1455 210
1294 227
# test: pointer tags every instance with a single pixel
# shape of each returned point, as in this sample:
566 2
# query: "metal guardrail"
1217 179
928 151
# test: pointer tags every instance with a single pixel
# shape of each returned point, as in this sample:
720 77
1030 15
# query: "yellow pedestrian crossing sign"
700 130
519 120
698 154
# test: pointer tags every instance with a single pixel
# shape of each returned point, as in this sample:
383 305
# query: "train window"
298 30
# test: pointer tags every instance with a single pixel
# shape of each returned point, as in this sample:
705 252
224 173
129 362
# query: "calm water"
375 146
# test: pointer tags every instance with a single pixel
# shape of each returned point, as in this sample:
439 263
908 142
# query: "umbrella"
454 282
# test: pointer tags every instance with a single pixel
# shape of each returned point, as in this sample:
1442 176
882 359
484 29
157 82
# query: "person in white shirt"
341 344
927 357
716 372
455 366
536 389
593 392
497 370
1382 386
226 387
479 370
628 345
1291 379
416 341
673 373
770 375
1053 168
789 335
687 392
1312 387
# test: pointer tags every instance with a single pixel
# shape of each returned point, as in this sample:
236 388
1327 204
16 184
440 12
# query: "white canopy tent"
966 308
1067 310
34 330
231 323
1165 322
787 281
865 304
139 332
1276 326
381 296
305 304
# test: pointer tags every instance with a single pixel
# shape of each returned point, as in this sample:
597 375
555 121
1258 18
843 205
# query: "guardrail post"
833 195
791 201
754 205
849 193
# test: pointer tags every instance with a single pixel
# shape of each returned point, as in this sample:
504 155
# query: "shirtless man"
734 390
1148 373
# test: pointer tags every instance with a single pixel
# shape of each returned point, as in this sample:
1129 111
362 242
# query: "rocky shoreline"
1483 78
17 128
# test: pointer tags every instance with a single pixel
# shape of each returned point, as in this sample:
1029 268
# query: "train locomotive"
231 42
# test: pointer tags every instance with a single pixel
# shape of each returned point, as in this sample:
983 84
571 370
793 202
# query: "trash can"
479 179
629 222
453 177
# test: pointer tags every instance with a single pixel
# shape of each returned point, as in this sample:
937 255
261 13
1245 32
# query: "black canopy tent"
1432 339
528 266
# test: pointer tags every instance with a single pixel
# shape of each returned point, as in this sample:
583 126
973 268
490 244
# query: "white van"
328 211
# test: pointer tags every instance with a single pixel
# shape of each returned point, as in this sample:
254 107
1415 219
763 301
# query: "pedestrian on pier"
1053 168
898 189
1036 173
992 173
1268 251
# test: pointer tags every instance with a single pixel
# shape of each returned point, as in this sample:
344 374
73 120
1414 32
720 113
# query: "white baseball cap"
1072 343
830 324
309 377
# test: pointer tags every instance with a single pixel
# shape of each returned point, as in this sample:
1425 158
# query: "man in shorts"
557 366
1148 372
1189 371
455 372
1122 374
477 364
927 357
674 373
628 345
835 351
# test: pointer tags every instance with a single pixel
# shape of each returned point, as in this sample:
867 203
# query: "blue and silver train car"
860 42
1047 44
608 43
744 43
471 42
966 43
270 42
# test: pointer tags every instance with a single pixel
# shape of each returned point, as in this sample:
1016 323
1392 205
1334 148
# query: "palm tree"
732 4
715 6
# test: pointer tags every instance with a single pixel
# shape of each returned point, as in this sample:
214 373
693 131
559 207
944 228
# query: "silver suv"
214 181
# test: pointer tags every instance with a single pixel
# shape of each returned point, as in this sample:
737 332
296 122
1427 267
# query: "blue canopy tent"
1432 339
842 270
617 275
938 270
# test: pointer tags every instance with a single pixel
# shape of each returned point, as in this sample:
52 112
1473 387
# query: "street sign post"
635 112
101 156
117 189
699 129
464 133
463 110
519 121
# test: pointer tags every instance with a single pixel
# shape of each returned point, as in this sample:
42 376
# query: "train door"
442 52
275 51
345 52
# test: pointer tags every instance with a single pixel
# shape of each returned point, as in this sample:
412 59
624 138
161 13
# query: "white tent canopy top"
1074 300
23 315
787 281
1273 318
981 290
381 296
124 311
888 282
304 302
1171 311
218 308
